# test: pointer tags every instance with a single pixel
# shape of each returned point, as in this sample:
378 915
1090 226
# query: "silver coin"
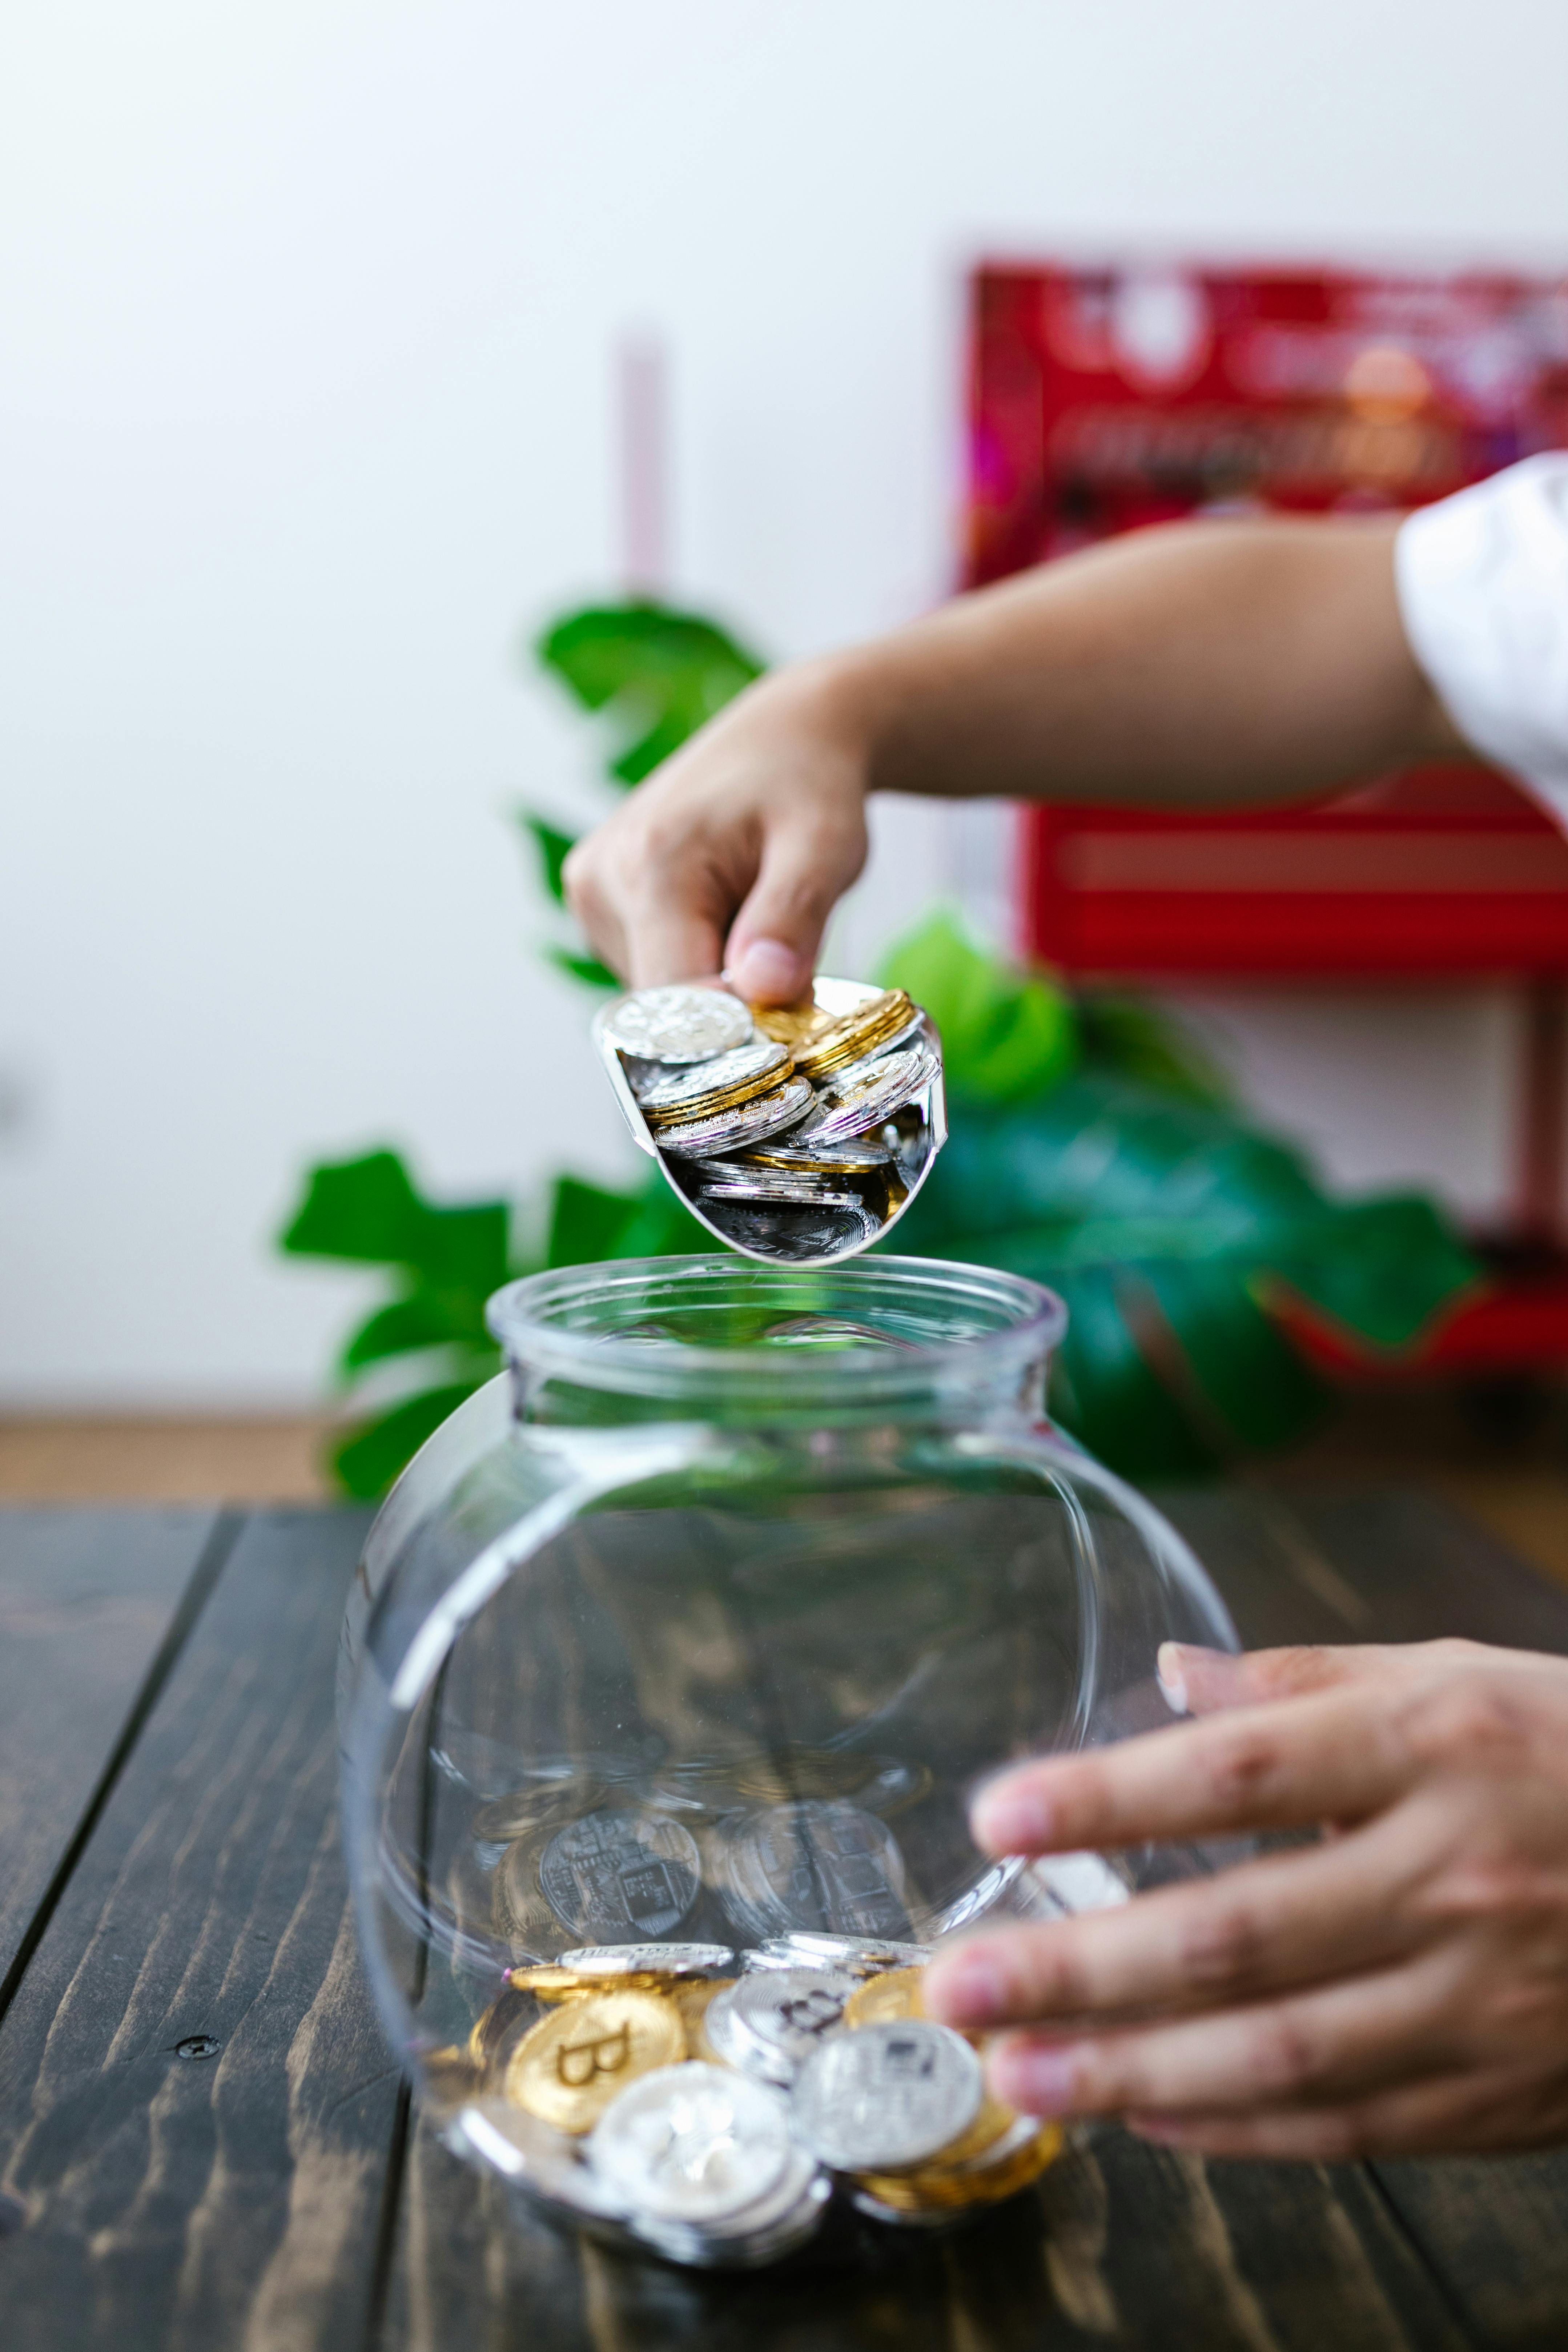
692 2143
867 1093
669 1092
794 1234
887 2096
821 1864
548 2162
867 1954
769 2021
649 1959
762 1184
763 2232
748 1122
856 1155
621 1872
681 1023
799 2215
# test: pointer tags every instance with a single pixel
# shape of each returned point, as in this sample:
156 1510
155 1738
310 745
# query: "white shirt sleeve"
1483 590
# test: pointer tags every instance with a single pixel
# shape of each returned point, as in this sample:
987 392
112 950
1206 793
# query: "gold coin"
855 1034
792 1023
929 2191
575 2062
692 1996
886 2000
547 1982
496 2027
735 1078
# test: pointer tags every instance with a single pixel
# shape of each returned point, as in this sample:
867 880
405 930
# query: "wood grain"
86 1600
203 2200
1121 2246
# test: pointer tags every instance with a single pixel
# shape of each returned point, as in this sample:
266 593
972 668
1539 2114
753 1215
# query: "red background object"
1104 399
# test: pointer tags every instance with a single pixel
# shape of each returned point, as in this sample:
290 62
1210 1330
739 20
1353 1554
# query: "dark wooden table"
203 2142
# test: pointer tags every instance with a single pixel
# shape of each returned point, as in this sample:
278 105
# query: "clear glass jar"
759 1572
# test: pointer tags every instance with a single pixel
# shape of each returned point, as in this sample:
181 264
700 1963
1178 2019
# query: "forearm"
1204 664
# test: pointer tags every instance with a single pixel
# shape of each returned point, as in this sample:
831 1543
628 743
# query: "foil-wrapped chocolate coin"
771 2020
693 2143
568 2067
732 1130
702 1088
621 1874
867 1094
686 1023
649 1959
887 2097
790 1232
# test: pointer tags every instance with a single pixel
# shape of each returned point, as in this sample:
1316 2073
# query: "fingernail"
1011 1820
768 973
1037 2082
967 1990
1172 1682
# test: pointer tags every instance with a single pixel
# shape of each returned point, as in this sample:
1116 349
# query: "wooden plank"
88 1598
1121 2246
196 2103
1494 2231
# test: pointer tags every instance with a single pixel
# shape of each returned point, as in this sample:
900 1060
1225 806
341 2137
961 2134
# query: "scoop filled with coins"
707 2105
796 1134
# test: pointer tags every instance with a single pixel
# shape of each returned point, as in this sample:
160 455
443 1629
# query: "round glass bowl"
707 1618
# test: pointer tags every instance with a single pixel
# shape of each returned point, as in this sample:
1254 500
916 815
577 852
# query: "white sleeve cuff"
1482 580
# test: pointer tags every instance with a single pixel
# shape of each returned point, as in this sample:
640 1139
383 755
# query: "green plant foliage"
443 1263
658 673
586 968
1128 1037
368 1459
1007 1035
554 847
1164 1223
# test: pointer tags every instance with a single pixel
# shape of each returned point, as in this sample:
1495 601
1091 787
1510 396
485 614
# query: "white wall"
305 413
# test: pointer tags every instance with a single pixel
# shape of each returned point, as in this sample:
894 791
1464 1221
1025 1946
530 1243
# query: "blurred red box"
1103 400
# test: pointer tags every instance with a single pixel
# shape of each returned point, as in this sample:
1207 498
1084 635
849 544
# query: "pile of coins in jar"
796 1133
707 2107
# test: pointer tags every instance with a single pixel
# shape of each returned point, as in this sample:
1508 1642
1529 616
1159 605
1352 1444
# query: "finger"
594 907
1335 1755
1455 2112
670 941
773 945
1205 1680
1201 1682
1336 2043
1289 1919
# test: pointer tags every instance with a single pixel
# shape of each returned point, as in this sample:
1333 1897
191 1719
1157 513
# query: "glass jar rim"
1003 1324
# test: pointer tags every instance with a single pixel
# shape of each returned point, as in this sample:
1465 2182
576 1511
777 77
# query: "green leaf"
589 1222
554 847
586 968
659 673
1382 1267
1130 1037
586 1221
364 1210
426 1318
1005 1037
369 1212
370 1457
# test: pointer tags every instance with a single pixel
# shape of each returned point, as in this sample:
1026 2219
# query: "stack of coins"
796 1133
707 2113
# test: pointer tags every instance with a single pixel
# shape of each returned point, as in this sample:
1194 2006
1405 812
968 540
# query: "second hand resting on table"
1399 1988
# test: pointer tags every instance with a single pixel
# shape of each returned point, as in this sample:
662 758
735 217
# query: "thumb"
773 944
1196 1681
